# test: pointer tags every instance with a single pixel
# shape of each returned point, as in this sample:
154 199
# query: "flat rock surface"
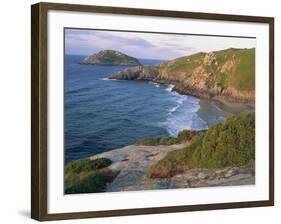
133 161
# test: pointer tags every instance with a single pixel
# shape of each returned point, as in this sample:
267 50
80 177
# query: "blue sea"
102 114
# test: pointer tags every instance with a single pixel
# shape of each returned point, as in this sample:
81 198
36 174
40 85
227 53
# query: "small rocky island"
110 57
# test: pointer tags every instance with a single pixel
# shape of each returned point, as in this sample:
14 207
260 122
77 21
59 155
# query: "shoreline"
219 101
233 107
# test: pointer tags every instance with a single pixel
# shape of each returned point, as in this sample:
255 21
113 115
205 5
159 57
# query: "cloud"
147 45
101 39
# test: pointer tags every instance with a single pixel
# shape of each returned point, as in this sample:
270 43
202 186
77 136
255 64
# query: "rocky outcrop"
137 73
229 74
210 58
110 57
132 164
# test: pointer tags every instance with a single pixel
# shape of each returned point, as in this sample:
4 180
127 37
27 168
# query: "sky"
148 45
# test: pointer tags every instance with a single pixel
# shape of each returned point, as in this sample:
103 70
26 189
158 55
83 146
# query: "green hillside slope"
229 74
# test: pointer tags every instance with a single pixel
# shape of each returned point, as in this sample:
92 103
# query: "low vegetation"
231 143
86 165
183 136
87 176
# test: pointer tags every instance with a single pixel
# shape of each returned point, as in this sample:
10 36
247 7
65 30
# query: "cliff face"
110 57
228 74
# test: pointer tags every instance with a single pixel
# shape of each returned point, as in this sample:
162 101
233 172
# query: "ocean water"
102 114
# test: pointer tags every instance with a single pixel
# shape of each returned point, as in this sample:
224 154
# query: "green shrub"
86 165
92 183
86 176
148 141
187 135
231 143
167 141
183 136
175 162
228 144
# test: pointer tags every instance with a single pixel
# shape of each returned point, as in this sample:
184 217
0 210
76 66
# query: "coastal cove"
140 124
226 77
102 114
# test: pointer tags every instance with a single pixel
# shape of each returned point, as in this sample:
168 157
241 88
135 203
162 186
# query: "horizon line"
71 54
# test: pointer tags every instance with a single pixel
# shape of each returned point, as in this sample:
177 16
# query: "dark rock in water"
148 73
110 57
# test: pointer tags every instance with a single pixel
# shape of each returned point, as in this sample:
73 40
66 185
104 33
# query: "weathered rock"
132 163
231 172
210 58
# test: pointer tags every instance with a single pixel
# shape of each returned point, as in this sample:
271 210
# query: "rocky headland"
110 57
227 77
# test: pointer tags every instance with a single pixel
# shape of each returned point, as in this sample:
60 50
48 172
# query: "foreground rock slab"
132 163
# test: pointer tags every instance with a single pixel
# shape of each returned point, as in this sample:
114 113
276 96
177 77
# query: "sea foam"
154 83
184 115
170 87
105 79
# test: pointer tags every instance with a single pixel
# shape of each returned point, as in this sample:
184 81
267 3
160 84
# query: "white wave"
188 122
173 109
170 87
105 79
184 116
179 101
154 83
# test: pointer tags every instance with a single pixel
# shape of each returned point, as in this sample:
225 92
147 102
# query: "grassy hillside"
185 64
227 73
231 143
242 75
231 67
